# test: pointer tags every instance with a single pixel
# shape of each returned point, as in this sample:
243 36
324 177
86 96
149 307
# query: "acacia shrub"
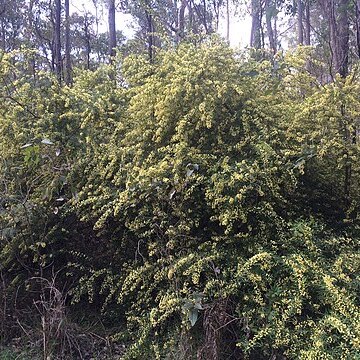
202 186
188 200
46 132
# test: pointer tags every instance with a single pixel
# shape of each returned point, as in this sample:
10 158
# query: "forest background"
165 196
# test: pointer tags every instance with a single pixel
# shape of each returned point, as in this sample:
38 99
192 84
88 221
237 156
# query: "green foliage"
10 354
42 143
201 200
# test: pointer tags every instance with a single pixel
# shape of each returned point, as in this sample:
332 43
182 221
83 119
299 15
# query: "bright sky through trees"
240 24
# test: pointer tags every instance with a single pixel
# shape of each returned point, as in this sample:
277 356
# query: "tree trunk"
150 34
300 23
67 44
216 12
341 64
205 23
357 9
87 41
228 21
181 20
57 40
95 3
339 36
269 27
191 18
3 36
307 23
112 29
344 32
255 36
339 42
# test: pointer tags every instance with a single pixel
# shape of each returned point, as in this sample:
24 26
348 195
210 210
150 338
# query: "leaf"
189 172
193 316
47 142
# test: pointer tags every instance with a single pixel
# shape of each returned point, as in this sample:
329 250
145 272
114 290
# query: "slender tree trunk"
87 41
269 27
255 36
3 36
3 27
150 34
205 23
176 12
191 17
333 34
339 42
181 20
67 44
112 29
262 33
357 9
57 40
177 18
228 21
339 36
201 14
96 16
214 25
307 23
300 23
276 30
342 63
344 33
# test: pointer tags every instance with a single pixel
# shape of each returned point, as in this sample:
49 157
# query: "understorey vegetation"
201 205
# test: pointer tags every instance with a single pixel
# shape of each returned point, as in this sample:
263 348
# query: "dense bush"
206 204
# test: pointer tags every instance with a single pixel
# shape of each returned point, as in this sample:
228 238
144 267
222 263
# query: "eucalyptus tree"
264 23
57 40
256 24
339 33
67 43
12 20
304 27
112 28
160 22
